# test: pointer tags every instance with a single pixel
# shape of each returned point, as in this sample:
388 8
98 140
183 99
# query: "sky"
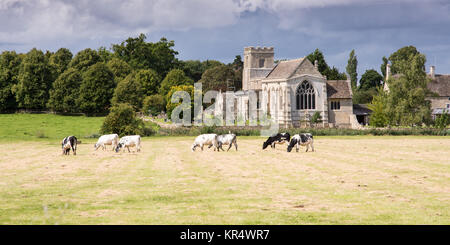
220 29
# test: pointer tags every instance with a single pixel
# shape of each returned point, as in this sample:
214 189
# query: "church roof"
284 69
339 89
440 85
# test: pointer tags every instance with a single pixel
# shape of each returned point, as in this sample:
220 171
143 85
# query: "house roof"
284 69
361 109
440 85
339 89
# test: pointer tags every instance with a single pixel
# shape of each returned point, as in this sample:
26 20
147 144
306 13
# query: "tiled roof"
440 85
284 69
339 89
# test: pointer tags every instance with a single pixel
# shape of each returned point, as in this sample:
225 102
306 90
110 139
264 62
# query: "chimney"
316 64
388 71
432 73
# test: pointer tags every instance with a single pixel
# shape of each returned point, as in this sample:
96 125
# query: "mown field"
348 180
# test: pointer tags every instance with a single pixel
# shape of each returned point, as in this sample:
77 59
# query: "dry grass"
348 180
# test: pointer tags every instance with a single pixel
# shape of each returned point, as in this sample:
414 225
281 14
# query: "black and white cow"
68 143
301 140
226 139
129 141
205 139
279 138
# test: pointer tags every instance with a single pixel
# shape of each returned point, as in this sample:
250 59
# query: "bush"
122 121
442 121
316 117
154 104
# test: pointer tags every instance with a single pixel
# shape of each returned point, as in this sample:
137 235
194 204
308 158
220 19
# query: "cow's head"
266 144
291 145
120 145
96 146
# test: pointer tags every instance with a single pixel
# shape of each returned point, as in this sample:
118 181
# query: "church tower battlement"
258 62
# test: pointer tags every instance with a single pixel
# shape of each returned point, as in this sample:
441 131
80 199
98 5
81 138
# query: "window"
448 106
306 97
335 105
261 63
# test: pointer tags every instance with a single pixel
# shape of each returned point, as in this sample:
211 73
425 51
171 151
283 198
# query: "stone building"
440 85
291 91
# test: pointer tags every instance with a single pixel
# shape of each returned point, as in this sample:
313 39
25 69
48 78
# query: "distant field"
348 180
14 127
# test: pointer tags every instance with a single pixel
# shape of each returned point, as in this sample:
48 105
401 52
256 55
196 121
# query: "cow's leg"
307 147
201 146
312 146
296 147
235 145
128 149
231 144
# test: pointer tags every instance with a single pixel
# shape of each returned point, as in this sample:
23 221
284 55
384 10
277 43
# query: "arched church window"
306 97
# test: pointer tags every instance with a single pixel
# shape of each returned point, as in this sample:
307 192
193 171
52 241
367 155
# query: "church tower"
258 62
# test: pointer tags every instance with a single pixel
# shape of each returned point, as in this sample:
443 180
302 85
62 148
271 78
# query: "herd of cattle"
210 140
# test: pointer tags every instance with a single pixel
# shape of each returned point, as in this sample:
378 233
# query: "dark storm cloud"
217 29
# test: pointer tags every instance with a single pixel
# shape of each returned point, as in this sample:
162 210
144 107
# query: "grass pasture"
348 180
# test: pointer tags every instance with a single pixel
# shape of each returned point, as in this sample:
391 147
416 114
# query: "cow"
109 139
279 138
129 141
226 139
69 142
301 140
206 139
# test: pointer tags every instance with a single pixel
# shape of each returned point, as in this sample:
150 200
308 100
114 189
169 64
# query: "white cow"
206 139
109 139
226 139
129 141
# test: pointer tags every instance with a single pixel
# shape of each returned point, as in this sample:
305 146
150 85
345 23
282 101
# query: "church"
292 91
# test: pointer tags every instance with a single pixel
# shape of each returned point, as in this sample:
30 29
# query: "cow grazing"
109 139
129 141
279 138
206 139
226 139
301 140
68 143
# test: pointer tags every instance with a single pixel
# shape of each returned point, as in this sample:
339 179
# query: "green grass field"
348 180
26 127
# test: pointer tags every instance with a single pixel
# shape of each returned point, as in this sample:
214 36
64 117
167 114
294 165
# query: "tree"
238 64
129 91
406 104
217 78
96 90
159 56
9 75
175 77
122 121
401 55
60 60
195 68
383 67
379 117
34 82
361 96
370 79
65 91
119 68
351 68
324 69
154 104
105 55
150 81
85 59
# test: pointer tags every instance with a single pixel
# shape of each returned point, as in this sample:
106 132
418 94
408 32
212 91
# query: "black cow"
279 138
301 139
68 143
